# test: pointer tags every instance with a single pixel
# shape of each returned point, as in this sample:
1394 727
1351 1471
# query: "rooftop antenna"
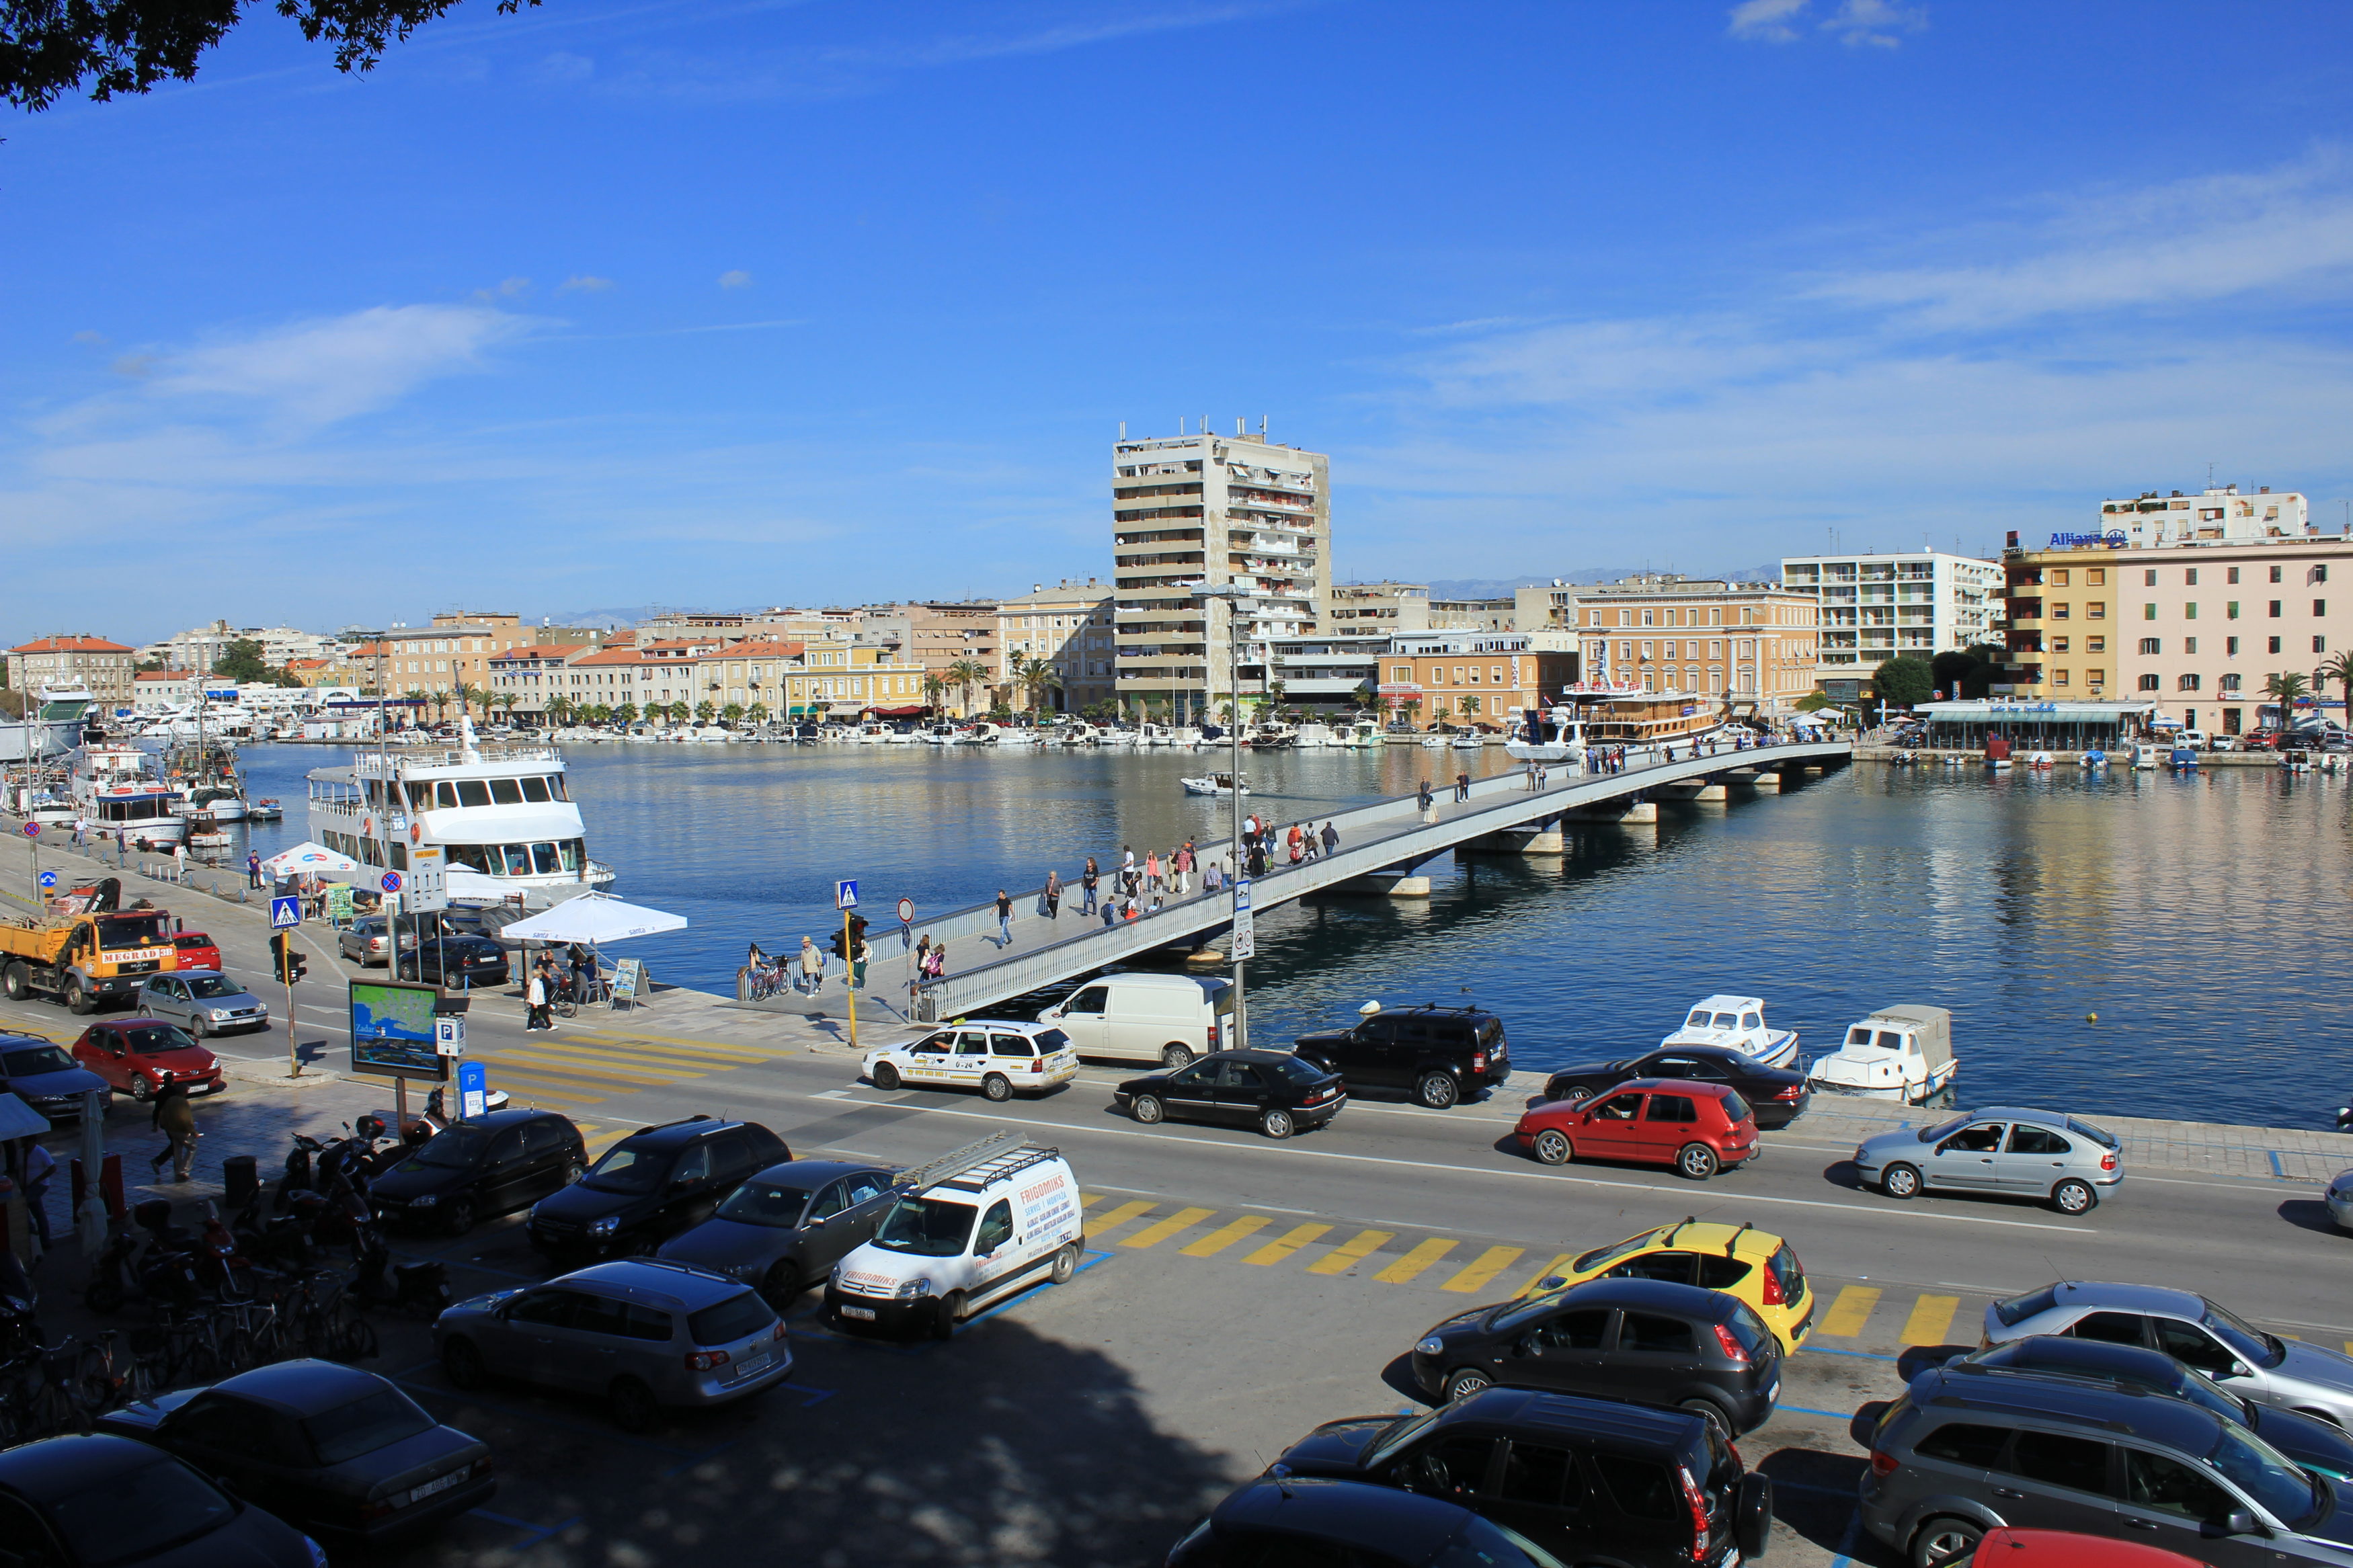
1123 429
1180 424
1261 427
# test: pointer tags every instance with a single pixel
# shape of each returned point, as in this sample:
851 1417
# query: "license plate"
416 1494
863 1314
1773 1390
756 1364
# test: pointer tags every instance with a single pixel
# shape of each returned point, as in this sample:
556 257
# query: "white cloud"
583 283
735 277
1766 20
318 372
1874 23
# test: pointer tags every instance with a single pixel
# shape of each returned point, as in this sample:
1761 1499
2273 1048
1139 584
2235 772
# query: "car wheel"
886 1077
1147 1108
631 1403
1466 1382
198 1029
1696 1161
572 1171
142 1090
1437 1090
1900 1182
1944 1540
1551 1147
1575 1095
1709 1411
783 1286
945 1316
1276 1123
77 999
2072 1197
996 1088
459 1215
1175 1056
461 1363
14 984
1066 1263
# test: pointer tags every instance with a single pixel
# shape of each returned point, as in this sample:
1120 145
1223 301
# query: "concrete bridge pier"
1764 780
1615 813
1704 789
1535 838
1403 881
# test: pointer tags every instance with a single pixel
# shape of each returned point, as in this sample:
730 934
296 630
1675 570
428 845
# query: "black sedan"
1778 1096
44 1076
108 1502
1274 1091
1311 1519
486 1165
338 1451
465 961
789 1225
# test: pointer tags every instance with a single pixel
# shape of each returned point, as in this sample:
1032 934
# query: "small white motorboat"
1901 1053
1737 1022
1213 783
2095 758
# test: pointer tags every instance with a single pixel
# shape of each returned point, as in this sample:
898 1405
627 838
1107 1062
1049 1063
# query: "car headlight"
1860 1154
606 1226
318 1553
1433 1345
426 1201
913 1288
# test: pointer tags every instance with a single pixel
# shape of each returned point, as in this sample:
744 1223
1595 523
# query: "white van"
969 1229
1163 1019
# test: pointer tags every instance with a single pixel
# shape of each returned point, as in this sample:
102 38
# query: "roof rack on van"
955 1162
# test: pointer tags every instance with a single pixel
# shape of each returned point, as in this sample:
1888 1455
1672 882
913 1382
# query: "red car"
140 1055
2008 1548
1698 1128
197 950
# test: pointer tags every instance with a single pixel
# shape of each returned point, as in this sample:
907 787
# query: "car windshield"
32 1059
2017 1309
1944 1130
372 1421
156 1039
458 1148
764 1202
1383 1446
175 1505
210 988
2285 1491
628 1169
928 1227
2252 1343
1486 1545
1615 1250
133 931
1511 1320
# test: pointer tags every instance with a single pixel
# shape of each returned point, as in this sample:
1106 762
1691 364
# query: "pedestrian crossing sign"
285 915
845 895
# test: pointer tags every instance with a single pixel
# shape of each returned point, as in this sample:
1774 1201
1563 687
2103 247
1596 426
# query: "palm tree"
507 700
1036 677
704 711
626 713
757 713
732 714
2286 689
559 707
933 690
963 675
416 694
2339 669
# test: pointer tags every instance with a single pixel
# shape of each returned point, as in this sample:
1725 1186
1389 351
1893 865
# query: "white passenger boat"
1644 724
117 787
1901 1053
981 735
51 728
1737 1022
501 812
1213 783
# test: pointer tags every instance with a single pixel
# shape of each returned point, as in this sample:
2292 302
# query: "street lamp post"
1233 594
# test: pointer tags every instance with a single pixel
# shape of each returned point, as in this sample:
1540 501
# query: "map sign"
339 903
392 1031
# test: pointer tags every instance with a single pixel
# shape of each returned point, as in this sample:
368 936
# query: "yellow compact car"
1749 1264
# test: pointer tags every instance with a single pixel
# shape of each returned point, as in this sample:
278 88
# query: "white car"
1000 1058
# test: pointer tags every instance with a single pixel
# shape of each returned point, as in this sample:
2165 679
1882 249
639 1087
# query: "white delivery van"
969 1229
1163 1019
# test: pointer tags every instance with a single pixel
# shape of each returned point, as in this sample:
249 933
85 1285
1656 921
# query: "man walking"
1053 895
1331 837
1089 881
535 1002
812 967
1004 919
176 1119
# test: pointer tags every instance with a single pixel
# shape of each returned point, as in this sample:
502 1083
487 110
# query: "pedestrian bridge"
1382 846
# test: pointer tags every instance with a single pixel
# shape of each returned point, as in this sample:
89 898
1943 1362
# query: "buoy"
2091 1017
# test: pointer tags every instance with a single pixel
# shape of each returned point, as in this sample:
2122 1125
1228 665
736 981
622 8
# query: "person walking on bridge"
812 967
1089 881
1421 794
1331 837
1053 895
1004 919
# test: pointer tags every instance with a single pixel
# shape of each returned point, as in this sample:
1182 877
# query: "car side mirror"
2238 1369
2239 1521
815 1222
1525 1346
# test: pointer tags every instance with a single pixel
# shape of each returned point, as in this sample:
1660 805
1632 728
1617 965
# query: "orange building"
1468 680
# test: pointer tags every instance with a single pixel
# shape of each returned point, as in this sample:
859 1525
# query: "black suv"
652 1185
487 1165
1584 1479
456 962
1642 1340
1437 1055
1776 1095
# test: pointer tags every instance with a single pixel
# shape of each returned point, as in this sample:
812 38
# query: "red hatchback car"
1698 1128
140 1055
2006 1547
197 950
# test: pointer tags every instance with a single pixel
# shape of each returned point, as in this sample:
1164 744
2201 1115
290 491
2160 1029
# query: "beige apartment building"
106 668
1751 645
1364 609
941 635
1190 511
456 650
1068 625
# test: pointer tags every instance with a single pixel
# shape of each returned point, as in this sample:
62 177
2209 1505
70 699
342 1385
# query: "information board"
339 903
392 1033
628 979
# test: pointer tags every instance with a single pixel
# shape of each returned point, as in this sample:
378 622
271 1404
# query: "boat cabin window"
474 792
1698 1020
1752 1020
470 856
542 859
535 789
518 859
1727 1021
506 792
1860 1034
568 854
1889 1040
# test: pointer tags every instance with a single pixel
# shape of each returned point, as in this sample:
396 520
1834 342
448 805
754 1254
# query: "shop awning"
915 713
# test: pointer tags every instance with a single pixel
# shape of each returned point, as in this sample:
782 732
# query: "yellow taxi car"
997 1057
1753 1266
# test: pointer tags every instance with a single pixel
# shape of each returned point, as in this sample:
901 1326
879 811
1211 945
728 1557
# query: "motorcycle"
377 1281
165 1272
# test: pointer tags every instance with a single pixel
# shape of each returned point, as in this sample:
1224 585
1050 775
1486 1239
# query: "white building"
201 647
1877 605
2213 515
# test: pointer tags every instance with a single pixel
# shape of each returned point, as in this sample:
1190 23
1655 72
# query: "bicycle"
190 1352
109 1378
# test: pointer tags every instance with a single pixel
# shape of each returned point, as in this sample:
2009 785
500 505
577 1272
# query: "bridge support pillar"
1388 884
1706 789
1764 780
1516 841
1617 813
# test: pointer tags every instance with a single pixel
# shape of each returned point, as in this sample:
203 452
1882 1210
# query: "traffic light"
285 962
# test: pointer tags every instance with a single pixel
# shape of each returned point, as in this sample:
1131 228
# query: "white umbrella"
592 917
309 859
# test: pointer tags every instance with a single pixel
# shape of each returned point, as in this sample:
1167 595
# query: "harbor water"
2133 943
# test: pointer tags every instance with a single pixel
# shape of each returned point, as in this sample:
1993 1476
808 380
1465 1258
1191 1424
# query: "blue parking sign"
474 1088
285 915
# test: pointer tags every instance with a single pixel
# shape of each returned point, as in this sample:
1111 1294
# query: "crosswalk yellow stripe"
1153 1235
2349 1347
503 1070
1547 1272
717 1047
1482 1269
1931 1320
650 1072
1088 1200
1284 1246
1225 1235
1350 1253
558 1093
1405 1270
1850 1312
1112 1219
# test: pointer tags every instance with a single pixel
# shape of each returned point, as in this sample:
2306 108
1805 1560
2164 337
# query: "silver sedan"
203 1002
2002 1150
2340 1201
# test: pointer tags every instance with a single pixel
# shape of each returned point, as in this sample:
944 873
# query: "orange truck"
89 958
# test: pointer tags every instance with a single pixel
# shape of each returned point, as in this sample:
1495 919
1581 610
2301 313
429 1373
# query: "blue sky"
615 303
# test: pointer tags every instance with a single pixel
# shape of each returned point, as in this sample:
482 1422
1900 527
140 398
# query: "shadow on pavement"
1813 1495
2309 1213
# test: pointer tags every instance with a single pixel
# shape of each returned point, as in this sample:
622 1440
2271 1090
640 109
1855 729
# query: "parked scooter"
165 1272
377 1281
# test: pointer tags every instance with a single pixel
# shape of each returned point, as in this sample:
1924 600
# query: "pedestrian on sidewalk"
1110 910
1053 895
1421 792
1004 919
812 967
1331 837
40 1166
1213 876
1089 880
1188 861
1294 841
1463 786
1127 861
176 1119
180 862
253 869
858 965
937 965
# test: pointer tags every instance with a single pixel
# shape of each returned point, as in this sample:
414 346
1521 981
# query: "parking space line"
816 1395
1112 1219
1850 1312
1225 1235
523 1413
1407 1269
533 1533
1931 1320
688 1464
1161 1230
1353 1251
1286 1244
1547 1272
1482 1269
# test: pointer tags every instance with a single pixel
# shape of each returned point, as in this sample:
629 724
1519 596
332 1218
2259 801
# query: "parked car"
490 1164
2313 1442
1274 1091
1644 1340
195 950
336 1451
1437 1055
2066 1549
68 1502
1756 1266
1696 1128
1586 1479
1778 1096
1311 1521
456 962
2340 1196
364 942
1142 1017
999 1059
1957 1456
2004 1150
652 1185
203 1002
788 1225
42 1074
639 1333
2206 1337
140 1055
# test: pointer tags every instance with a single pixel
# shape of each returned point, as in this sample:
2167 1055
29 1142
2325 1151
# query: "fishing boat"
2095 758
1213 783
116 788
2144 756
1901 1053
1737 1022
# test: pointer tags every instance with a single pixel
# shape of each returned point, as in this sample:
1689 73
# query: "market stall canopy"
592 917
309 859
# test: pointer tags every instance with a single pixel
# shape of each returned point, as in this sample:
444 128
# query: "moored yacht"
1901 1053
51 729
117 787
1737 1022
